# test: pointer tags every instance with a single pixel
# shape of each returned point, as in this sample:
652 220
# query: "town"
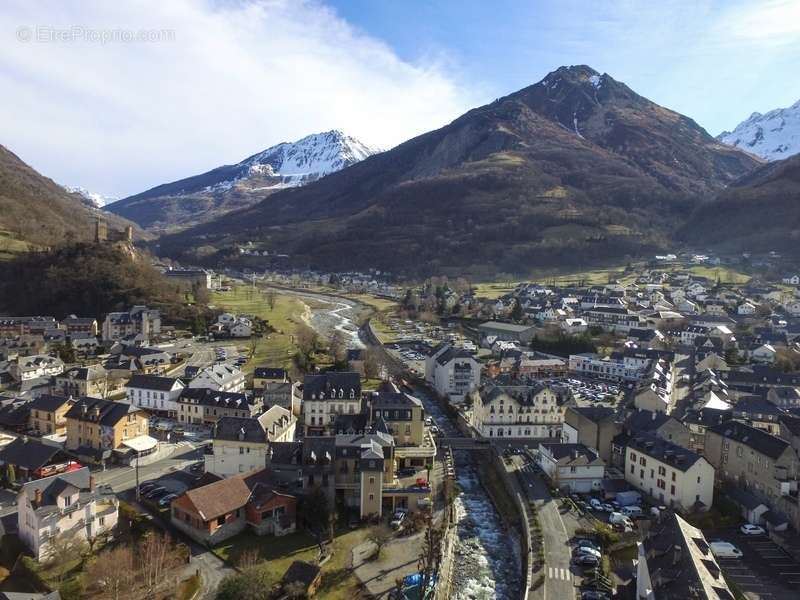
632 437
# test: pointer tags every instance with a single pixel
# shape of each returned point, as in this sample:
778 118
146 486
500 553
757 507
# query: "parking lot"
765 569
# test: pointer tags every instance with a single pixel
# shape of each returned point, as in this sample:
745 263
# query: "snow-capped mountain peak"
303 161
93 198
774 135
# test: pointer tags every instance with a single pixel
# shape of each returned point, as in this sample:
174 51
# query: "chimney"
84 409
654 416
38 498
91 483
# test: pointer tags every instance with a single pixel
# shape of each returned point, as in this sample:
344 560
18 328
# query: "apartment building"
758 462
92 380
592 426
221 377
138 321
327 395
49 414
668 473
155 393
98 428
204 406
535 410
452 371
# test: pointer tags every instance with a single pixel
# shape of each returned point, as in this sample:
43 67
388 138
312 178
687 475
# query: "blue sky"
714 61
214 81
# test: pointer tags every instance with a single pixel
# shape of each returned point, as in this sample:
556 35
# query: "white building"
452 371
326 395
670 474
155 393
572 466
221 377
518 411
594 365
68 504
241 445
33 367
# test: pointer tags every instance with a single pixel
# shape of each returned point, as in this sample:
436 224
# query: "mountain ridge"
574 166
228 187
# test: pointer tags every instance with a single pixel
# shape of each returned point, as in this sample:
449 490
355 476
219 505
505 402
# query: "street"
558 583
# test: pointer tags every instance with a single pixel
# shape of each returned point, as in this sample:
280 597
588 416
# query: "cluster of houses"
362 450
709 398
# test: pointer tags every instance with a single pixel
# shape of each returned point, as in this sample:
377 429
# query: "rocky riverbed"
487 557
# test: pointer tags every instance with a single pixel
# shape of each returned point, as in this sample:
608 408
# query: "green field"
277 348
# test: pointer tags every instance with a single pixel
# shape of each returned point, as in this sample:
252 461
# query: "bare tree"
270 296
372 364
338 350
380 536
158 557
112 573
430 556
63 550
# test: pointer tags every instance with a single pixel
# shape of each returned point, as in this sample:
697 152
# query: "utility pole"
138 493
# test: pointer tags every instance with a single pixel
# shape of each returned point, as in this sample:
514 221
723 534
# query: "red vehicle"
421 482
48 470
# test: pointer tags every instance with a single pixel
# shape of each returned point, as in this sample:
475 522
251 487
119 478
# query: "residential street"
558 583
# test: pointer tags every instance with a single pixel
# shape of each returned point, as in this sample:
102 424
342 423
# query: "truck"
629 497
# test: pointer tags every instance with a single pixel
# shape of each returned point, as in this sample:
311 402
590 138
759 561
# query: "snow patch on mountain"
301 162
93 198
773 136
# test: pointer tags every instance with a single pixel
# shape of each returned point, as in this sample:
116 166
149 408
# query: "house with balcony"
68 504
403 416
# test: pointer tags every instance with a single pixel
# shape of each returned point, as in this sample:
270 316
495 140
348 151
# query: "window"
372 497
221 521
672 490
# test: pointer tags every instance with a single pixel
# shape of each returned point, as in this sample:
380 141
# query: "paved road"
123 478
558 583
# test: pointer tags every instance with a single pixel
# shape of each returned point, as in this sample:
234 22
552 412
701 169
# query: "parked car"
631 511
616 518
586 560
166 500
606 508
147 486
595 504
750 529
725 550
581 550
594 595
156 493
587 543
397 519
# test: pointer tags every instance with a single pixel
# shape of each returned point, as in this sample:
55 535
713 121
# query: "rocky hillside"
36 211
772 136
574 169
202 197
758 213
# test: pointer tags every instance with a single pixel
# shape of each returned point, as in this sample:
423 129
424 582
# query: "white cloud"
225 80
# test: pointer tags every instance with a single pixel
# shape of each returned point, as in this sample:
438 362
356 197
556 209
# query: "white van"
725 550
616 518
631 511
